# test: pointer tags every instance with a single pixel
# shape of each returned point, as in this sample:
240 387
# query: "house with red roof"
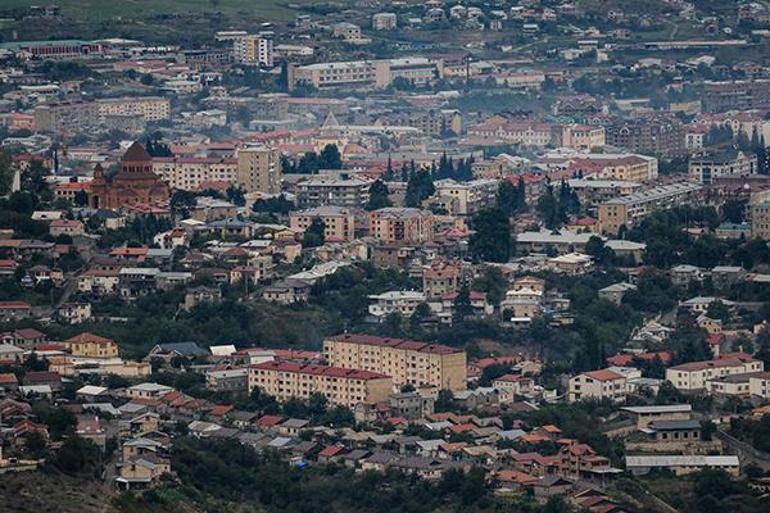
598 385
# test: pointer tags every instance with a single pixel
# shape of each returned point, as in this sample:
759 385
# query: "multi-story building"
693 376
376 73
93 346
259 169
656 136
466 198
598 385
515 132
189 173
441 278
254 49
760 220
401 225
342 190
432 122
593 192
341 386
384 21
707 167
66 117
627 210
736 95
151 108
405 361
339 221
582 136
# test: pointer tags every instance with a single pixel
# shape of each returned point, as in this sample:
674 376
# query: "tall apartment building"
760 220
254 50
593 192
627 210
405 361
707 167
338 189
405 225
339 221
259 169
151 108
341 386
432 122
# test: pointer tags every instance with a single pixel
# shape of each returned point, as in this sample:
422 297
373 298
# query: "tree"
315 234
493 283
420 314
418 187
462 308
330 157
77 456
491 240
378 196
444 401
6 173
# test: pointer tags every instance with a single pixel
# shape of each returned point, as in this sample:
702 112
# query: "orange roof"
603 375
514 476
89 338
126 251
7 378
220 410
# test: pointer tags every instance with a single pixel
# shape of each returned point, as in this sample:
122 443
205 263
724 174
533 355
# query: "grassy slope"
53 492
105 9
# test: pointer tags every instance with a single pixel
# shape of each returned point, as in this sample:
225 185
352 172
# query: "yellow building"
341 386
631 209
339 221
582 136
401 224
151 108
189 173
259 169
92 346
405 361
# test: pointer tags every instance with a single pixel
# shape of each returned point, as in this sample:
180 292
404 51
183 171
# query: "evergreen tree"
330 157
491 240
462 308
378 196
418 188
315 234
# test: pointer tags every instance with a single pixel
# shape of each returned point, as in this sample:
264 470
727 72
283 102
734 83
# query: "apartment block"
189 173
367 73
342 190
151 108
760 220
598 385
405 361
736 95
466 198
692 376
628 210
254 49
384 21
66 117
259 169
90 345
341 386
339 221
707 167
396 224
582 136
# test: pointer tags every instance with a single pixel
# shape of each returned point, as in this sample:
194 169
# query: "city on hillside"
369 256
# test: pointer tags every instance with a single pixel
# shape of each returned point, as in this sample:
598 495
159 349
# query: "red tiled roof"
372 340
319 370
603 375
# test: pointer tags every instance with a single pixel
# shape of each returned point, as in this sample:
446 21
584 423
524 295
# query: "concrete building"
405 361
366 74
628 210
693 376
402 302
598 385
339 221
441 278
582 136
401 225
66 117
384 21
150 108
259 169
255 50
760 220
682 465
707 167
341 386
343 191
645 415
189 173
466 198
